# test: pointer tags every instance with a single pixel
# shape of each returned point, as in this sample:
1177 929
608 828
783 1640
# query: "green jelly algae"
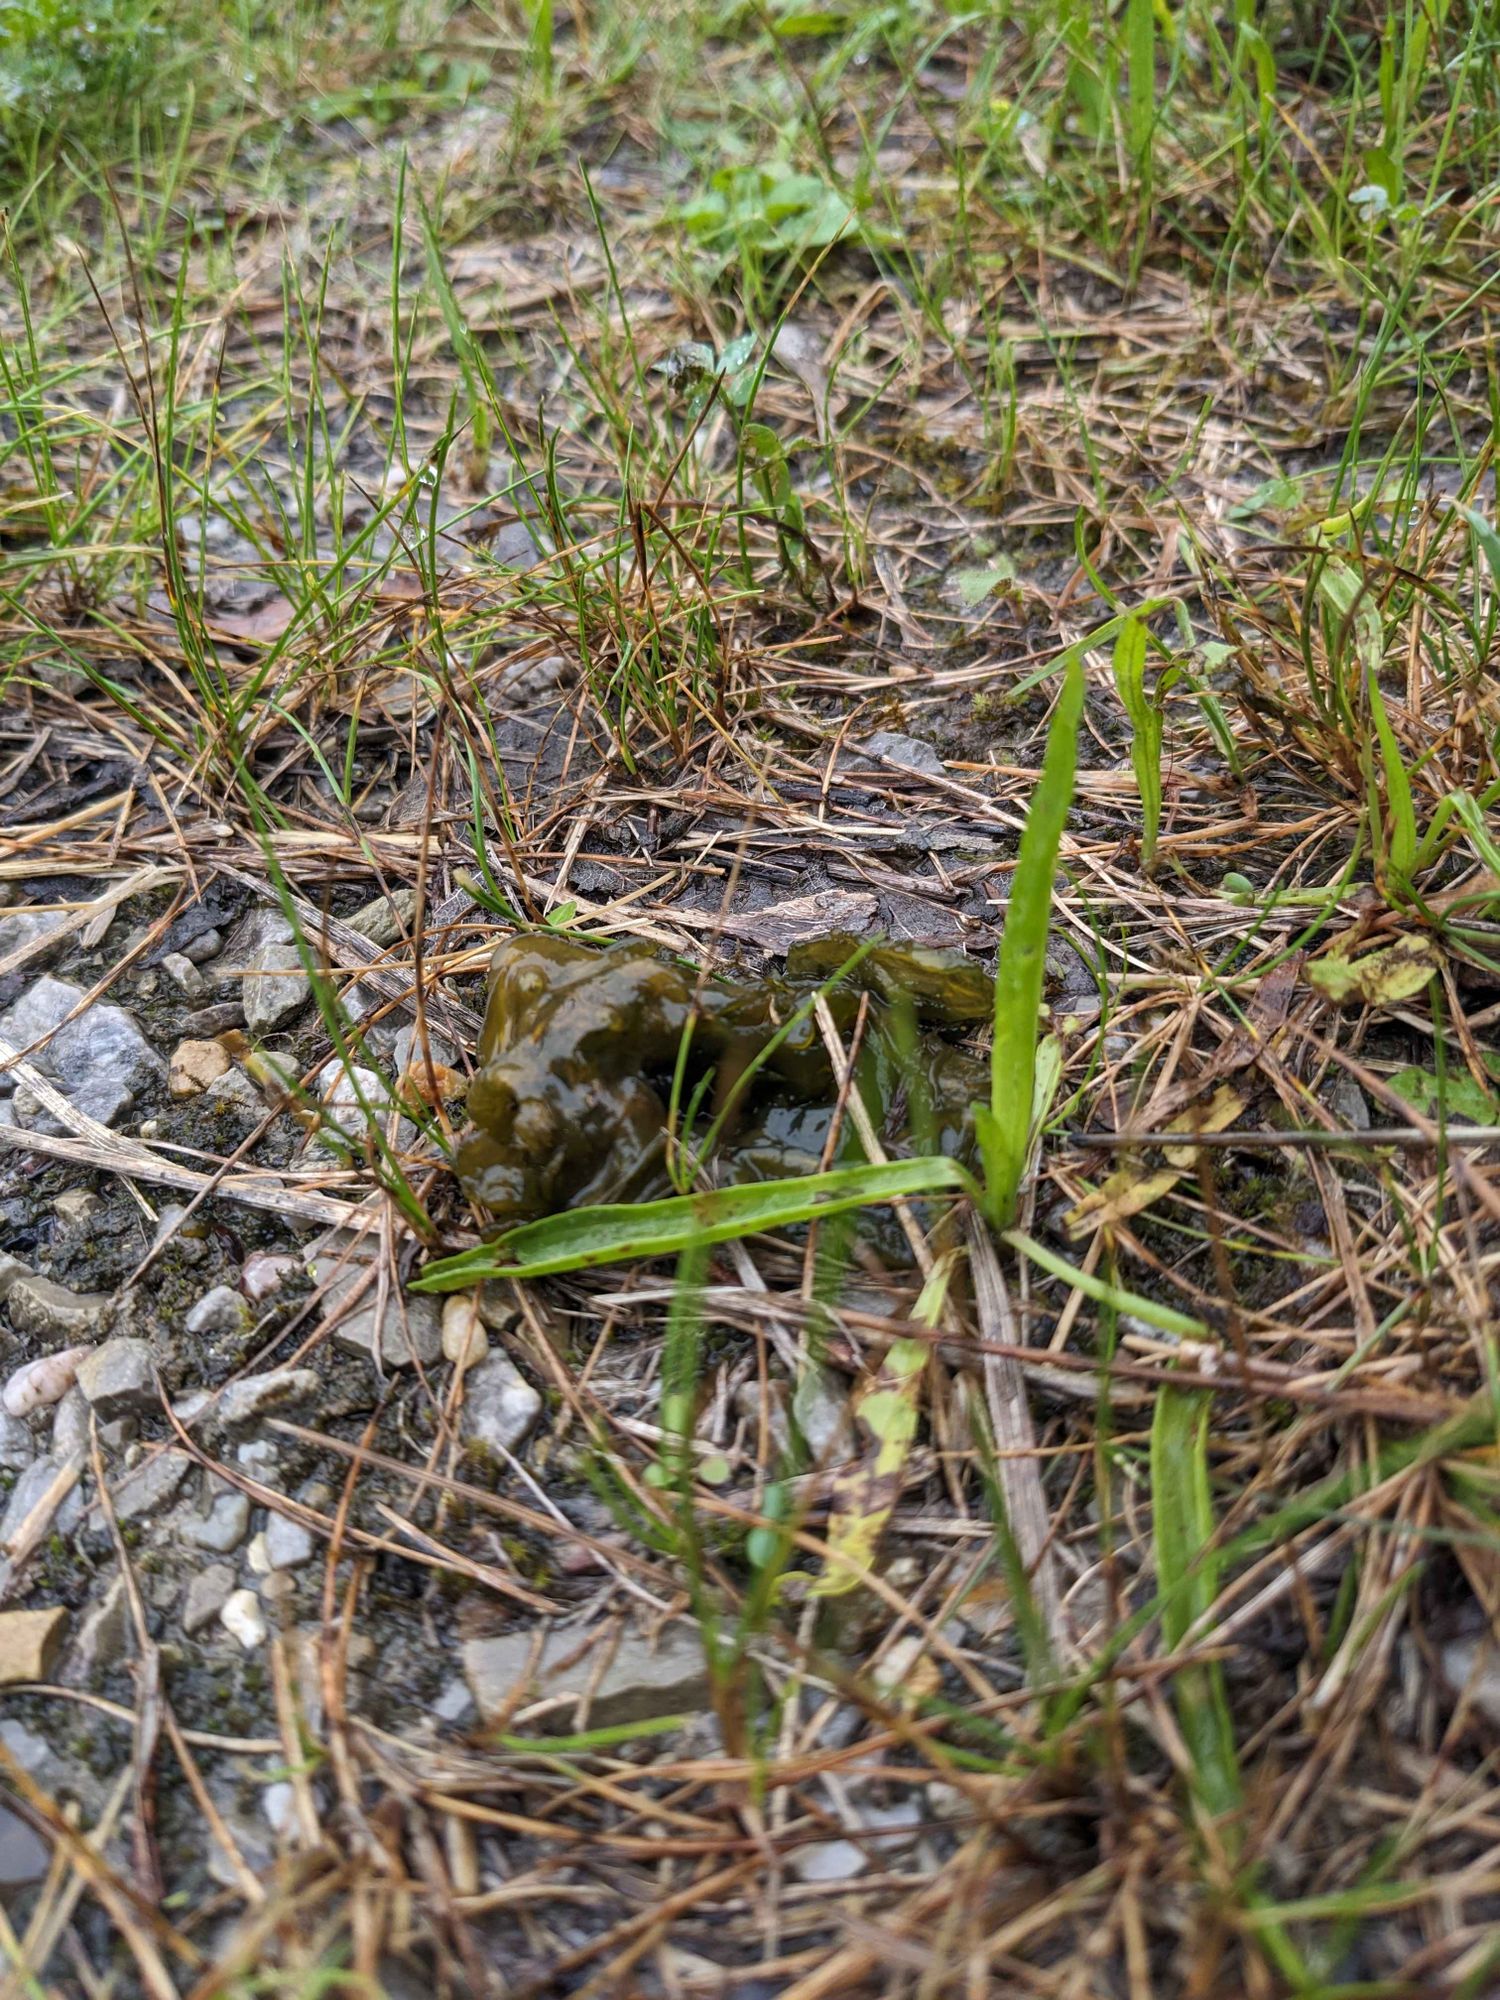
579 1048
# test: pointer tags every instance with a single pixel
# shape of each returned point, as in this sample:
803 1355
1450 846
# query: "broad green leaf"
1466 1101
1381 978
617 1233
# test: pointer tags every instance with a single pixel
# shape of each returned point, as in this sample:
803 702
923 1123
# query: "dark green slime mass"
579 1046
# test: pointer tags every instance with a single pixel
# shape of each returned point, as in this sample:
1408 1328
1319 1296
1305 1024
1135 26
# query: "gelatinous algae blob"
579 1047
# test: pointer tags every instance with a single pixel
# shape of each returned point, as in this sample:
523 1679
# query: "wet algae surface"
581 1049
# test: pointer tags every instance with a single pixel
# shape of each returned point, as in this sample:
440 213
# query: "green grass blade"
1187 1574
616 1233
1004 1129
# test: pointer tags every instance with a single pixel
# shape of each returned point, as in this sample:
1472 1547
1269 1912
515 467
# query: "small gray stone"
402 1336
454 1703
77 1205
275 986
641 1681
264 1272
407 1050
352 1098
278 1802
223 1528
151 1485
908 751
235 1088
118 1378
386 918
24 1855
184 975
220 1311
828 1861
288 1544
98 1060
70 1426
17 1445
104 1638
206 1597
822 1413
40 1306
28 1490
23 927
500 1405
32 1752
11 1268
199 950
238 1402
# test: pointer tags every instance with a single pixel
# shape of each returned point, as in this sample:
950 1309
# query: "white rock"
288 1543
464 1337
275 986
37 1384
279 1804
500 1405
243 1620
220 1311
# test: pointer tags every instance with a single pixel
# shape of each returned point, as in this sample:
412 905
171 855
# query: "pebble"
220 1311
500 1405
276 986
828 1861
911 752
215 1020
385 919
28 1643
17 1445
288 1543
24 1855
118 1378
188 1232
464 1337
184 975
151 1485
98 1061
105 1637
341 1091
37 1384
242 1618
11 1269
234 1088
238 1402
454 1703
77 1205
223 1528
1471 1667
401 1336
642 1680
206 1596
51 1311
70 1426
199 950
822 1413
279 1804
195 1065
28 1490
264 1272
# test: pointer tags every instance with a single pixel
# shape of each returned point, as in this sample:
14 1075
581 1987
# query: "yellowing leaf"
1128 1192
1381 978
865 1496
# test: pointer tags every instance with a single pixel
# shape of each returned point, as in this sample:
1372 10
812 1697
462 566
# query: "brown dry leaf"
1128 1193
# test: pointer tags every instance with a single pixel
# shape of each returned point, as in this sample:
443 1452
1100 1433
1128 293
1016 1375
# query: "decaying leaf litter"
570 527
